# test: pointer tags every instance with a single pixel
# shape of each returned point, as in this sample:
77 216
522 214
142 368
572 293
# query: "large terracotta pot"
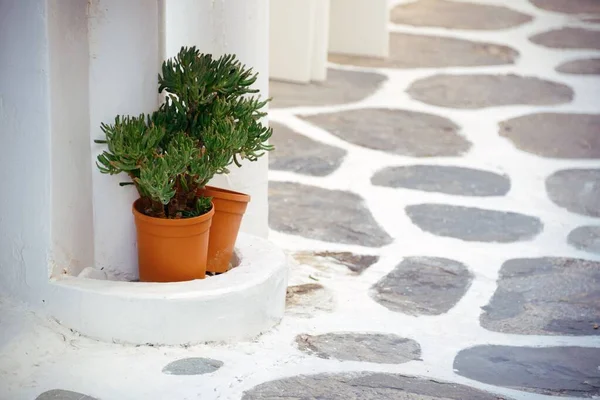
172 250
230 207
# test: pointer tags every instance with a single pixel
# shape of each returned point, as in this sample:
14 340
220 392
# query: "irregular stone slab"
457 15
474 224
577 190
356 263
192 366
340 87
367 347
321 214
421 51
423 286
59 394
580 67
555 135
406 133
546 296
569 7
481 91
586 238
568 38
444 179
297 153
308 299
553 371
364 386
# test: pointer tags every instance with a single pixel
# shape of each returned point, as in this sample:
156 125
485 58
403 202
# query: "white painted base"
298 39
359 27
240 304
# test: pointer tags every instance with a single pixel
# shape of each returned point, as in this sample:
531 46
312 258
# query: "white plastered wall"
67 66
70 65
25 199
225 27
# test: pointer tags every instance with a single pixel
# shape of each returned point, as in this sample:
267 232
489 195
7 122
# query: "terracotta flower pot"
172 250
230 207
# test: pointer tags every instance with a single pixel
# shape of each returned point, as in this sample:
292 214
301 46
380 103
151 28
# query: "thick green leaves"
207 122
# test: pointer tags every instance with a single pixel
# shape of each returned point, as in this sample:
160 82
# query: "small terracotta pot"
172 250
230 207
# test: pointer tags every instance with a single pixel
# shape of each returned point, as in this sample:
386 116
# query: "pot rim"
172 222
225 194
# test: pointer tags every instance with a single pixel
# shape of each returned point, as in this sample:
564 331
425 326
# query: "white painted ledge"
238 305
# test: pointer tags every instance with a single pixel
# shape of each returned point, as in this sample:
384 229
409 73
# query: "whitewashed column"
243 29
299 40
321 41
240 27
359 27
188 23
292 39
124 63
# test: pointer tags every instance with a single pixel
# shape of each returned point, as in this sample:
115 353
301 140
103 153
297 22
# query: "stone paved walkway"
443 211
444 217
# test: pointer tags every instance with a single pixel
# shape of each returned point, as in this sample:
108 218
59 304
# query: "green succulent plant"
208 99
208 121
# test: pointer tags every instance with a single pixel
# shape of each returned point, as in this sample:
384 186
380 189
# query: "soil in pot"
229 208
172 250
